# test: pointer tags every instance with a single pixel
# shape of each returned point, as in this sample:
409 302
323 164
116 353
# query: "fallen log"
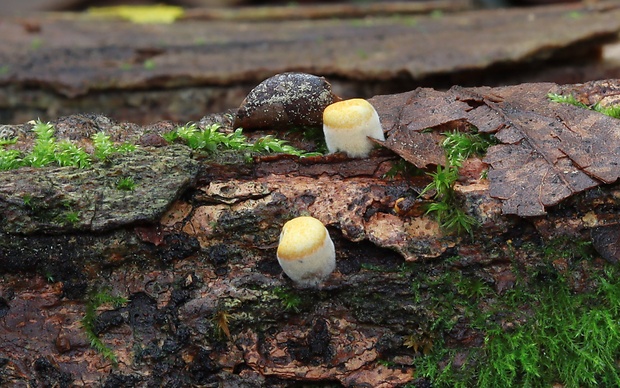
180 284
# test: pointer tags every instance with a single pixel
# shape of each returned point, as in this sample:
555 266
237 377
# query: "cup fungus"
348 124
306 252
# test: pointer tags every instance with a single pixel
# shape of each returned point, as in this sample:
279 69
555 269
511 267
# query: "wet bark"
193 251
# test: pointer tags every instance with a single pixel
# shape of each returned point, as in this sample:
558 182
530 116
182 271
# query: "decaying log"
193 249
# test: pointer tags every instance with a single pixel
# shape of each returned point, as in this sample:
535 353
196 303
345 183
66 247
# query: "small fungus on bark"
348 124
306 252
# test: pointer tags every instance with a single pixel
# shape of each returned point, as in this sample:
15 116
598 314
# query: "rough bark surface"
32 200
208 303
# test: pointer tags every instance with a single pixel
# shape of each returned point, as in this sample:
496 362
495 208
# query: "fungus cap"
348 124
306 252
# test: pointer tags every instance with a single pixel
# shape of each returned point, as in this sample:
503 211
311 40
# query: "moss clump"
49 151
462 145
572 338
104 147
88 321
211 139
458 147
611 111
126 184
290 299
545 330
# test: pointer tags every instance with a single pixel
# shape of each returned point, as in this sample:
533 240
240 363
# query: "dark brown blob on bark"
286 100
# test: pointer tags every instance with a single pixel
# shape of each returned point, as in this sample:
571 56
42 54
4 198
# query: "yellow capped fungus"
306 252
348 124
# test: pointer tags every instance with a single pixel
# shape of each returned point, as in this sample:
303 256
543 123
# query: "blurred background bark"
17 7
77 60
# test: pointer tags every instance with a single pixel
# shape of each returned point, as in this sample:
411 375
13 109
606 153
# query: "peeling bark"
209 304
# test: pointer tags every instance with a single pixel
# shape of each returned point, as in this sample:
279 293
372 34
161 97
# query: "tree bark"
193 249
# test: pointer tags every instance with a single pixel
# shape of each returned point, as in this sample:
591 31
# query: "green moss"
95 301
45 146
462 145
374 267
436 14
36 43
445 208
211 139
126 184
49 277
6 141
362 54
104 147
28 200
443 182
539 333
572 338
612 111
472 287
48 151
270 144
9 159
72 217
289 298
566 99
361 23
458 146
149 64
69 154
574 15
567 248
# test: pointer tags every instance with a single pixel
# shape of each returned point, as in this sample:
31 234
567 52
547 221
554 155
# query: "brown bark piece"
343 350
405 115
549 150
359 207
606 240
321 11
555 150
